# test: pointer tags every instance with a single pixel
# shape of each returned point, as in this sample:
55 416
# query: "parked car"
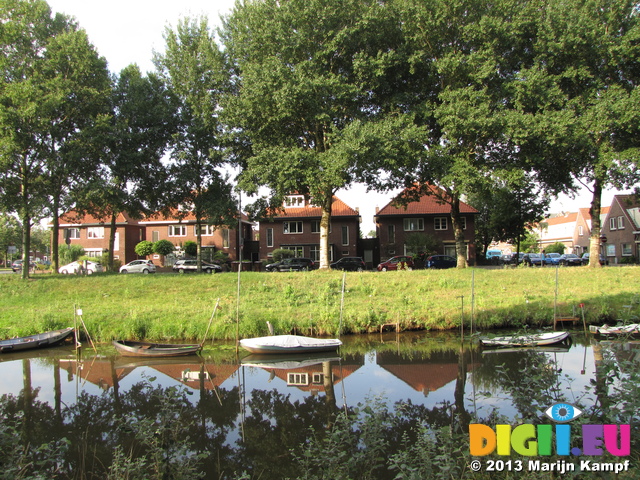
512 258
493 256
297 264
184 266
440 261
352 264
78 266
585 259
569 259
400 262
139 266
17 266
552 258
533 259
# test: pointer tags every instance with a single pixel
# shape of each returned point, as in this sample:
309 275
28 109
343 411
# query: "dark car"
352 264
534 259
400 262
17 266
569 259
440 261
512 258
585 259
291 265
184 266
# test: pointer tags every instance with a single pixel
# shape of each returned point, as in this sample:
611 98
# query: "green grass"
167 306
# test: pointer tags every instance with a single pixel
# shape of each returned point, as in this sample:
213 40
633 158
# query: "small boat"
632 329
130 348
289 344
286 362
526 340
40 340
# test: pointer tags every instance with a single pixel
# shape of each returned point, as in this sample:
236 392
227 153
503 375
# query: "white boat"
526 339
619 330
289 344
288 361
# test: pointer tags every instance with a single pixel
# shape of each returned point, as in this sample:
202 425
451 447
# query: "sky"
126 32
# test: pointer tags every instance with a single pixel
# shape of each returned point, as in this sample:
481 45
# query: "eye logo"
562 412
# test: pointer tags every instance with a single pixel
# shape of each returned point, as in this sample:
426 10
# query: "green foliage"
557 247
190 248
144 248
163 247
71 253
281 253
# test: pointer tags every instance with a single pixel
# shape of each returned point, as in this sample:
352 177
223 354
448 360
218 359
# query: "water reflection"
243 414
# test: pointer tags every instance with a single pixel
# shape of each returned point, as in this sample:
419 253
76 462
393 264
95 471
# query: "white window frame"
315 226
294 201
155 235
269 237
626 249
73 233
441 223
621 223
314 253
580 231
612 223
207 230
297 379
413 224
345 234
288 230
225 238
179 230
95 232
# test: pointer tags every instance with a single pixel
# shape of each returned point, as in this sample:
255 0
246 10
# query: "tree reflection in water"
153 431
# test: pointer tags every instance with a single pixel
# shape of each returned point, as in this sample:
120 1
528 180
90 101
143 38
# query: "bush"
70 253
144 248
557 247
190 248
282 253
163 247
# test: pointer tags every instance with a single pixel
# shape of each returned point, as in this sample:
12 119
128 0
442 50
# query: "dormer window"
294 201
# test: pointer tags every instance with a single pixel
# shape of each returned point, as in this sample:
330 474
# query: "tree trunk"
26 244
112 240
458 232
325 223
596 228
55 232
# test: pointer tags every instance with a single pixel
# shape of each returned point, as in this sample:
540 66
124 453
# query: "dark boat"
130 348
41 340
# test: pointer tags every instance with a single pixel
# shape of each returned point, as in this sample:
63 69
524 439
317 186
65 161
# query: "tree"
194 69
10 234
132 143
144 248
163 247
53 87
313 79
577 102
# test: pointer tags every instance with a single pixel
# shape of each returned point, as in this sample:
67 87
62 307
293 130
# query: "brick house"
622 230
297 228
572 229
93 235
428 216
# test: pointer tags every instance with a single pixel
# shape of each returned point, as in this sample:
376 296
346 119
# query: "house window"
297 250
294 201
292 227
73 233
314 253
392 234
225 238
440 223
207 230
580 230
345 235
612 223
315 226
269 237
155 236
317 378
620 222
611 250
298 379
627 250
95 232
413 224
177 230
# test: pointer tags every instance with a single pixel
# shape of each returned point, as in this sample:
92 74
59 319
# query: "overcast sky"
126 32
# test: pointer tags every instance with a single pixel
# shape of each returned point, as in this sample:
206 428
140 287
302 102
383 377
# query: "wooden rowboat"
631 330
278 344
130 348
40 340
526 340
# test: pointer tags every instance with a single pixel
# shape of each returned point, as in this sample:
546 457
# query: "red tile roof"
338 209
427 204
74 218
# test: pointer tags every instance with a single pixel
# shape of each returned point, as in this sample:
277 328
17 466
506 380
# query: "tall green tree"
10 234
313 79
577 103
195 70
53 87
131 144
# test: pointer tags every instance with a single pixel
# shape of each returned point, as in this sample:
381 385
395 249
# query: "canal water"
248 413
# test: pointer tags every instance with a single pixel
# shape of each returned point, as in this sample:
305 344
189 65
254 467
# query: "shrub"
281 253
190 248
70 254
144 248
557 247
163 247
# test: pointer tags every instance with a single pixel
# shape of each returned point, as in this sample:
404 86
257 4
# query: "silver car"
139 266
79 267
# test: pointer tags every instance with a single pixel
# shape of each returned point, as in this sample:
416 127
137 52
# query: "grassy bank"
169 306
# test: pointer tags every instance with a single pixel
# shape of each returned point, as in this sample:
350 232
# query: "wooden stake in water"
78 312
344 279
210 321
